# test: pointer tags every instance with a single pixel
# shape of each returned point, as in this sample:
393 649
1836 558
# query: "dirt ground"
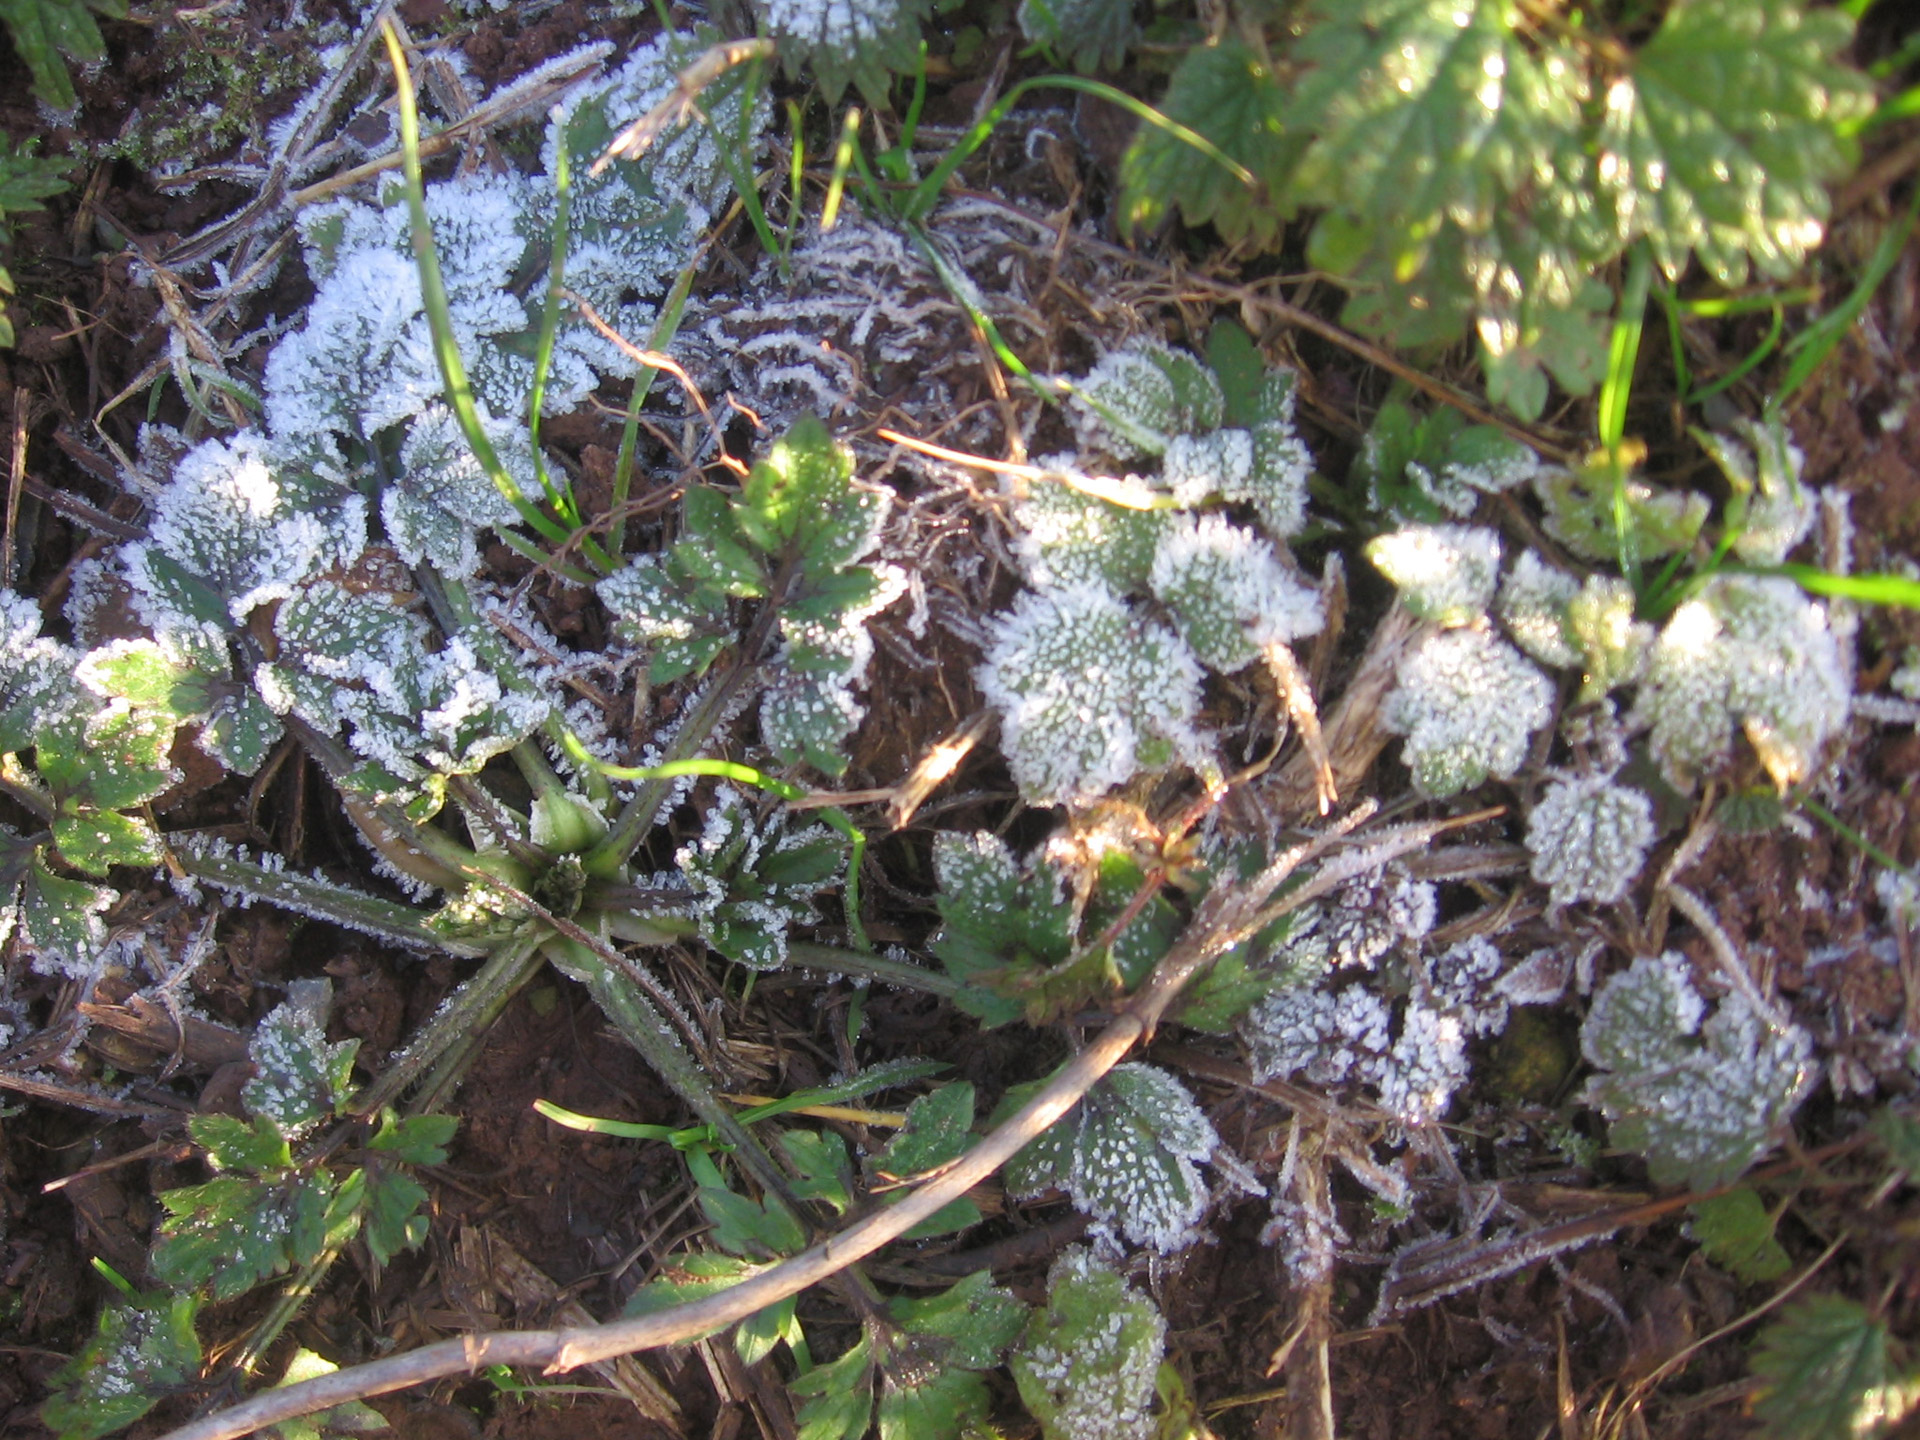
1635 1336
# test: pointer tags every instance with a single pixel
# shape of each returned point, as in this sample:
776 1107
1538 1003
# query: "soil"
1636 1336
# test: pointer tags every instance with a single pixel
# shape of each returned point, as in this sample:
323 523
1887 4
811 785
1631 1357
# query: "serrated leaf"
1228 93
791 495
45 31
240 731
1093 34
138 1353
1824 1373
1086 1363
235 1144
842 44
824 1171
975 1318
97 840
228 1234
299 1077
111 759
60 918
393 1219
1720 136
352 1418
1736 1233
143 673
838 1394
939 1129
714 551
417 1139
690 1278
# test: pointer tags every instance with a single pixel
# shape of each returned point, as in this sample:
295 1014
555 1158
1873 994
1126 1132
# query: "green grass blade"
1812 346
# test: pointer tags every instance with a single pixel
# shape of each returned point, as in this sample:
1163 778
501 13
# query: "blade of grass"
844 154
1894 590
664 327
1810 348
433 292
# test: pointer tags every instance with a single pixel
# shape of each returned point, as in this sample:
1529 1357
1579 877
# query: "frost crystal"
1589 838
1069 538
1127 1158
440 495
1087 1362
1751 650
1198 467
1137 399
1445 573
1089 694
1533 606
1467 703
1228 592
1771 510
1701 1100
752 881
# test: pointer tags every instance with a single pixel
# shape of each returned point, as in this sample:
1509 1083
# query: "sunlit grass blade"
1867 589
844 154
1812 346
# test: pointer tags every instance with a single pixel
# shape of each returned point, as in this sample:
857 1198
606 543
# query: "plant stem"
867 966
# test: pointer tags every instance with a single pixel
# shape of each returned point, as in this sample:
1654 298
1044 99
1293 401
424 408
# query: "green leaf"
229 1234
240 731
1898 1136
394 1222
861 43
234 1144
45 30
416 1140
801 480
97 840
761 1332
111 759
1736 1233
61 917
1086 1363
824 1171
1723 131
1824 1373
1093 34
139 1353
939 1129
690 1278
26 179
299 1078
838 1395
145 674
1228 93
714 551
352 1418
975 1318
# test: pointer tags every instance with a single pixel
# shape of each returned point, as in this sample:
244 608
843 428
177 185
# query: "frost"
1195 468
1068 537
1750 650
753 880
1771 512
1533 606
1899 897
1087 1362
299 1079
1445 573
441 496
1589 837
1468 703
1137 399
1228 593
1464 980
238 525
1089 694
1701 1099
1349 1036
36 674
842 40
1126 1155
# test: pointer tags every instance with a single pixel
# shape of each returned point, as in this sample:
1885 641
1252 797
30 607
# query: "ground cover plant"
744 686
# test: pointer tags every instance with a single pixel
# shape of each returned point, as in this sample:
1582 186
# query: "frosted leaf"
1589 837
1087 1363
1126 1155
1329 1038
1277 486
440 494
1138 398
299 1079
36 674
843 40
1445 573
1540 979
681 630
1228 593
1068 537
1372 914
1468 703
1195 468
1089 693
1899 897
1427 1064
1701 1100
753 880
1533 606
1464 980
1771 511
356 366
1583 512
1752 650
1094 33
234 529
1613 645
355 639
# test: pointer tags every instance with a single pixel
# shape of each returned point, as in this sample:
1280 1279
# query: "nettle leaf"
300 1079
1126 1157
1228 93
1139 397
232 1233
1825 1370
1588 838
756 878
1720 135
859 43
1445 573
682 627
1086 1363
60 918
1736 1233
1068 537
1230 597
1701 1100
108 760
440 496
1468 704
415 1140
1093 34
139 1353
1089 693
95 841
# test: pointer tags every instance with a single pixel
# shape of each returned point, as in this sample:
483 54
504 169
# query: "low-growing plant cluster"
1373 778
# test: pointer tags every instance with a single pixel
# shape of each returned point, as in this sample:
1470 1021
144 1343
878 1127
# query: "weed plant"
1601 684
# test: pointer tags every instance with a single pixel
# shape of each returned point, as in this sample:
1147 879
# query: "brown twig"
1225 918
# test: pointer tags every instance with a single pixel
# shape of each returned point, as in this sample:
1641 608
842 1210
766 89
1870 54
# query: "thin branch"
1225 918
